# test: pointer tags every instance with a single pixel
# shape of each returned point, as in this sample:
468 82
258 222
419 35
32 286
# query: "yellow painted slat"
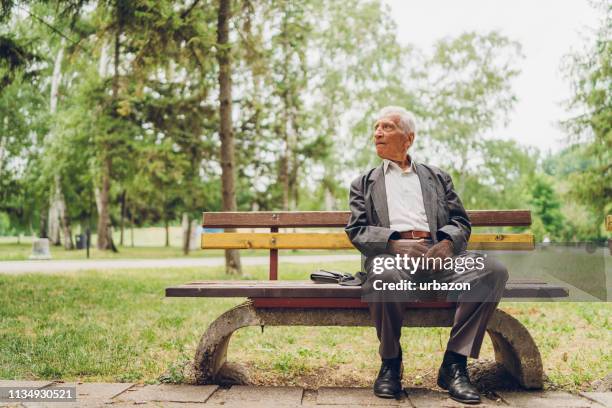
339 240
609 223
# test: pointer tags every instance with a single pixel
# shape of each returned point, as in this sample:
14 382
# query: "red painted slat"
338 303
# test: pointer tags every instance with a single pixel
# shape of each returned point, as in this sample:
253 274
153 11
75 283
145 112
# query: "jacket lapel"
429 197
379 196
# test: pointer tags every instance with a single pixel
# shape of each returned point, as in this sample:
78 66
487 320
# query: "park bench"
284 303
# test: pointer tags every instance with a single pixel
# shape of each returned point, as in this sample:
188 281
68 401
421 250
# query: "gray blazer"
368 227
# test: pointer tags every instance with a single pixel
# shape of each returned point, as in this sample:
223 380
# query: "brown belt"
414 234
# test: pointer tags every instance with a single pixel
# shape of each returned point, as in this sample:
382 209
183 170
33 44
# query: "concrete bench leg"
211 354
515 350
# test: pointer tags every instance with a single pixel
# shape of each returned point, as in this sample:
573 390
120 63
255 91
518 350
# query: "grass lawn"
117 326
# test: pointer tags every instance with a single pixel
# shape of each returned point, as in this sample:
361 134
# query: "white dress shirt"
404 198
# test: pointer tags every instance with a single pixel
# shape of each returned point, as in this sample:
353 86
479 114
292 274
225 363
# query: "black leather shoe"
454 378
388 384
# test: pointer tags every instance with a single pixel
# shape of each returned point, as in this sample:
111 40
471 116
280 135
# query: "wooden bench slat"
308 289
339 240
305 219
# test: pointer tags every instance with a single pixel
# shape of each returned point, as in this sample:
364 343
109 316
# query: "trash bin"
81 241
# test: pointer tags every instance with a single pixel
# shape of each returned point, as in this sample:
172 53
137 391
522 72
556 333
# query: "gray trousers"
474 307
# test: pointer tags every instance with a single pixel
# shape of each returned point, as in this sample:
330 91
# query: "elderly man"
404 209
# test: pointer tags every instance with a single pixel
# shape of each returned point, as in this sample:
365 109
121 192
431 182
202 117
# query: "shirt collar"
389 164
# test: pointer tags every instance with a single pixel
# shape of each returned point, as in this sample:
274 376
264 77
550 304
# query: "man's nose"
378 133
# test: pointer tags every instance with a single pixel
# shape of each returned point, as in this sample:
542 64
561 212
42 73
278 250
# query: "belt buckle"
412 234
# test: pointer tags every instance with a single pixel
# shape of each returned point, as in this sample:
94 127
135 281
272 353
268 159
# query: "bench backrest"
275 240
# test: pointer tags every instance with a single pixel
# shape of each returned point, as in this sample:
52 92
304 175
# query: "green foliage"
22 127
546 208
137 105
468 92
16 60
590 71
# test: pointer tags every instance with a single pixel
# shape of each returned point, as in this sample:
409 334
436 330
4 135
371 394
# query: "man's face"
391 141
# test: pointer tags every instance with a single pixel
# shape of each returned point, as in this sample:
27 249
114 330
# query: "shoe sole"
444 386
380 395
471 402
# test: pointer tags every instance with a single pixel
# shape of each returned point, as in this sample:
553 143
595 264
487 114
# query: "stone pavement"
111 395
72 265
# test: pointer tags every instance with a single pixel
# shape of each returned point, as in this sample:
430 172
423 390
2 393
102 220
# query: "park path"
167 395
58 266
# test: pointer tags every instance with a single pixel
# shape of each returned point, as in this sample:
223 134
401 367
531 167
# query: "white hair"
407 121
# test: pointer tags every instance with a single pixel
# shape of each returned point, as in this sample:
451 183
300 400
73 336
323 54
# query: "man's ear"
410 139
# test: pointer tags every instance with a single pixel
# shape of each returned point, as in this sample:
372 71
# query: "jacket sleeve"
459 227
370 240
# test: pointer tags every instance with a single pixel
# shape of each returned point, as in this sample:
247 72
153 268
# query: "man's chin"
381 153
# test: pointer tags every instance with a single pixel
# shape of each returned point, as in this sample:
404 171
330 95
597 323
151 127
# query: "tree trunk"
132 228
232 257
53 219
186 227
285 127
167 227
105 240
289 128
122 222
55 206
63 214
3 152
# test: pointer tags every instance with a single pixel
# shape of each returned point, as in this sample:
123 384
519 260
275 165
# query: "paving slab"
546 399
272 396
255 404
423 397
355 396
167 393
58 404
122 395
159 404
24 383
101 391
604 398
20 384
80 404
88 395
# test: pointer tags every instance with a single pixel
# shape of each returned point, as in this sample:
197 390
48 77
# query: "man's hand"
442 250
410 247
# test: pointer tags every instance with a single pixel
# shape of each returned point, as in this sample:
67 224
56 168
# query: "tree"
590 71
467 93
22 124
58 213
232 259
